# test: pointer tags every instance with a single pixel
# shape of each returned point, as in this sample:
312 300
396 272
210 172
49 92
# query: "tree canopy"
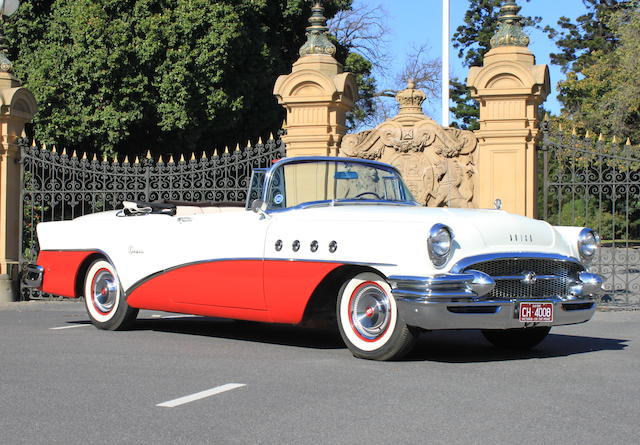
599 54
167 75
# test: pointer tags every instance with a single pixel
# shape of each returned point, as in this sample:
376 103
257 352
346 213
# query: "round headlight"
439 243
588 243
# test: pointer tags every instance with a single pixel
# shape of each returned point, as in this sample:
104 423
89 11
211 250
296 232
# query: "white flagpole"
445 62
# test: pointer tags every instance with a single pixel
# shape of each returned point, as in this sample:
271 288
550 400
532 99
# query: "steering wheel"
369 193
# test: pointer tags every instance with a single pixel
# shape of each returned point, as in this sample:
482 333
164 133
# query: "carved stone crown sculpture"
510 29
437 163
410 100
317 40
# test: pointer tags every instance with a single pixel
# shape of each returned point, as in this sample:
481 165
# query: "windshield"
318 181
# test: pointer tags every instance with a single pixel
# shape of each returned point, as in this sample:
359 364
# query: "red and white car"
327 237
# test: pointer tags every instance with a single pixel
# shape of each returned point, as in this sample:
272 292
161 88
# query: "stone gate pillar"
17 107
510 87
317 94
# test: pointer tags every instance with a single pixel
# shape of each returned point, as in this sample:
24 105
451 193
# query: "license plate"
536 312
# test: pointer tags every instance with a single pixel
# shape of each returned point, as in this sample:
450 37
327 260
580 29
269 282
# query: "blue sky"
417 22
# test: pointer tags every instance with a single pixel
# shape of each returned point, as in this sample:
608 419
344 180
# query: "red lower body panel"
61 270
271 291
230 284
288 285
235 289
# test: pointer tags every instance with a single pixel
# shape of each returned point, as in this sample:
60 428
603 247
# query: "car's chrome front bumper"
456 301
32 275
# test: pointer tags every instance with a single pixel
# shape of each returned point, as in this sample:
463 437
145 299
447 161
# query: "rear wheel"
104 298
368 319
516 339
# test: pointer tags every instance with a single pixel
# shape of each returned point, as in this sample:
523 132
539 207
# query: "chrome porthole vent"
333 246
314 246
295 245
278 245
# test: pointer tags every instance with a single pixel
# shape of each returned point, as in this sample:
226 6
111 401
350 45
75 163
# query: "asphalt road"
82 385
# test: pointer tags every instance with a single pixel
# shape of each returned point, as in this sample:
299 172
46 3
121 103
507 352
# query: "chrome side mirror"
260 207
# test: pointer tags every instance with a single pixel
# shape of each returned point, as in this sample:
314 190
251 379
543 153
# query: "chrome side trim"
469 261
32 275
351 263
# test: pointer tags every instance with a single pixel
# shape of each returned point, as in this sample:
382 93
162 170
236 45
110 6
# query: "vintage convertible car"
321 238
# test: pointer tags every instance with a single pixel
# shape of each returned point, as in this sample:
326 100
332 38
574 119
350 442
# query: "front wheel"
104 299
368 319
516 339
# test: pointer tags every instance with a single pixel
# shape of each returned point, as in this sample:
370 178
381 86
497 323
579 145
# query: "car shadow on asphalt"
439 346
278 334
471 347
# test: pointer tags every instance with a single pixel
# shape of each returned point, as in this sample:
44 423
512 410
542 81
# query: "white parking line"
200 395
70 327
180 316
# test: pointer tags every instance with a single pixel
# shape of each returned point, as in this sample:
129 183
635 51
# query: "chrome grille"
552 277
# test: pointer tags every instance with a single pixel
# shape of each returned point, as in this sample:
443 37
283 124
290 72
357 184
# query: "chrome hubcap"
105 291
370 311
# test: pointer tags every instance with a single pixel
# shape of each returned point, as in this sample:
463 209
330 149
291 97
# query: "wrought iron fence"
596 183
58 186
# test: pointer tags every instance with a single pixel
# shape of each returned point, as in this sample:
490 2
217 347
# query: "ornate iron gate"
59 186
594 183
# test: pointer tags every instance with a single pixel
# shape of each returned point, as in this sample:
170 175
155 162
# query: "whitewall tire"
368 319
104 299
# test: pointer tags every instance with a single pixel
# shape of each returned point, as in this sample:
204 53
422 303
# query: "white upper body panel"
392 238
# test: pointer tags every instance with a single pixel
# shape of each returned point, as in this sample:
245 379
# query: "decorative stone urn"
437 163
